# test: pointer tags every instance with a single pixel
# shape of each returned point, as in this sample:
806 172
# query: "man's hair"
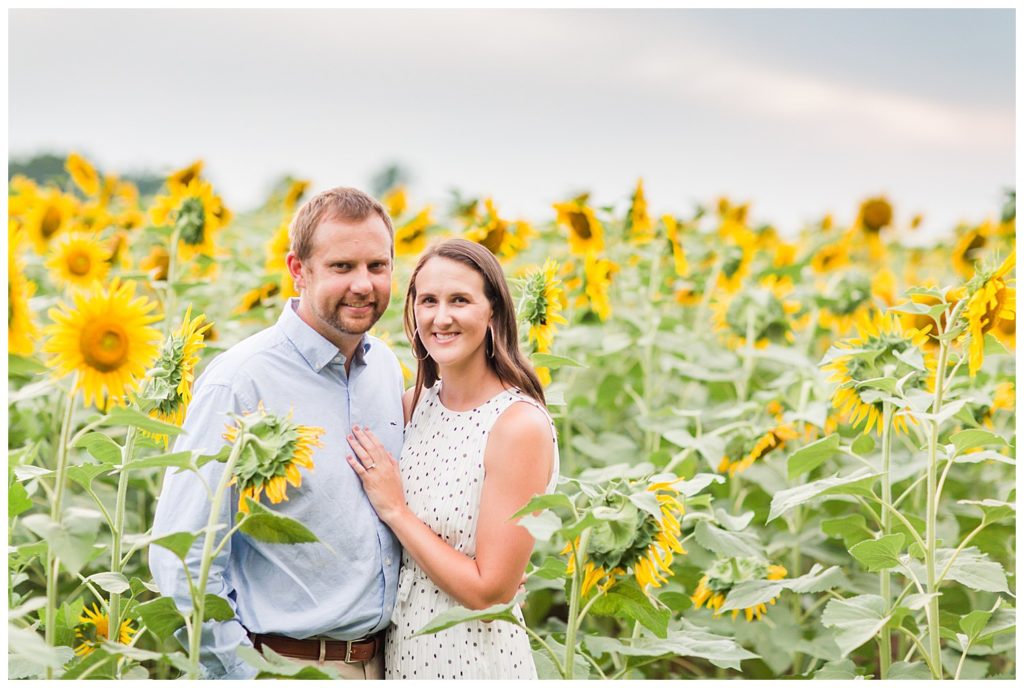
341 203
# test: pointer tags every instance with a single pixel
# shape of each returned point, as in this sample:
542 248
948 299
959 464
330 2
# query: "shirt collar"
311 345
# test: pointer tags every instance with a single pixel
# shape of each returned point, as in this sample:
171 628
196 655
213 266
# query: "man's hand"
378 471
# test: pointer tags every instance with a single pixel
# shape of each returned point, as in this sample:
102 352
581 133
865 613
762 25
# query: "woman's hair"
507 360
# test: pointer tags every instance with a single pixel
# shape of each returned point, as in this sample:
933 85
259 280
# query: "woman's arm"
517 466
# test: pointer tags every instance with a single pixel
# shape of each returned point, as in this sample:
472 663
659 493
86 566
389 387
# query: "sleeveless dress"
442 468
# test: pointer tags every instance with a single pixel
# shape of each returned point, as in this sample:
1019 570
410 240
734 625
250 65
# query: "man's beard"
351 326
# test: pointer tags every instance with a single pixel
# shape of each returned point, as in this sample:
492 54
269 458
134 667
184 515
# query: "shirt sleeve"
184 505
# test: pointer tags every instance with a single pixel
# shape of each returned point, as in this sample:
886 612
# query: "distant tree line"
49 167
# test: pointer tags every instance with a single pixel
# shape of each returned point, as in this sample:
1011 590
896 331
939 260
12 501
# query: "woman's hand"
378 471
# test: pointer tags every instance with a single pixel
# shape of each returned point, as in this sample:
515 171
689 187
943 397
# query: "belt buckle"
348 652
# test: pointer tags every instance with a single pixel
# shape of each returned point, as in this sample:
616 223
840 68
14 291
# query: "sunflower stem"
885 582
56 511
114 627
199 598
172 260
574 604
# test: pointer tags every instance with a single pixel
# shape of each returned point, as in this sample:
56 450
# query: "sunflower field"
783 454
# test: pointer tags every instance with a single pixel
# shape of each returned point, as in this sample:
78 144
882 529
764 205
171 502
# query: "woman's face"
452 311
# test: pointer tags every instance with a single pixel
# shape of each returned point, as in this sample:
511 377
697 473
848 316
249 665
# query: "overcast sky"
801 112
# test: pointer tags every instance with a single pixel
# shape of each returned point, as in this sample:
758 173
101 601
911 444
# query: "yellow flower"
991 301
106 338
276 263
22 330
494 233
395 201
169 383
725 575
762 308
100 623
831 257
678 255
83 174
598 277
194 212
185 176
542 305
883 287
775 438
883 348
411 238
273 451
156 263
641 227
874 215
294 194
586 235
260 296
968 248
736 256
78 260
1005 397
543 374
50 213
846 298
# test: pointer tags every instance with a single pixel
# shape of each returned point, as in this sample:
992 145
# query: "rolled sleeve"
184 505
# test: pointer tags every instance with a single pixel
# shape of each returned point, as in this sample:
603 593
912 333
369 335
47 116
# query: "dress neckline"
475 408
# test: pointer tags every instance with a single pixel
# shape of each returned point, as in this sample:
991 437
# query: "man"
309 601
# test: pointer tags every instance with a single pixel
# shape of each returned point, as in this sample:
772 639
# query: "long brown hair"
507 362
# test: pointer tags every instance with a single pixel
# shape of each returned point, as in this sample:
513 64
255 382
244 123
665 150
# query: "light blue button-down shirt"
344 592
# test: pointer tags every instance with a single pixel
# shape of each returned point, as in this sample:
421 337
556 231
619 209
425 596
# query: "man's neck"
346 343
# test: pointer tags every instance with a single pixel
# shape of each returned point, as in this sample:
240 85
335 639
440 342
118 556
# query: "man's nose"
361 283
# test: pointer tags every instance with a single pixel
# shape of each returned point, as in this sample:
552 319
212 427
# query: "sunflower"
650 550
541 305
1005 397
750 449
411 237
875 214
884 287
185 176
106 338
50 213
296 190
273 450
255 298
22 330
736 255
968 248
764 308
276 263
78 260
169 382
156 263
784 254
639 223
100 631
194 212
598 277
83 174
830 257
502 238
991 301
721 578
395 200
845 299
883 348
586 235
678 254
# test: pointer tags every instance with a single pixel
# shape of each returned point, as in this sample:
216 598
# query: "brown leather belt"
348 651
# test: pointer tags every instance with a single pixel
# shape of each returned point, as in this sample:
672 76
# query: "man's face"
346 281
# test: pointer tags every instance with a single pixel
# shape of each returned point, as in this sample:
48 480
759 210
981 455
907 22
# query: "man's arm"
184 505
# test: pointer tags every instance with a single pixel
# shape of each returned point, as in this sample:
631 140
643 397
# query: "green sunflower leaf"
120 415
266 526
806 459
541 502
272 665
969 439
858 483
856 620
552 361
457 615
727 543
18 501
161 616
626 600
880 554
216 608
104 449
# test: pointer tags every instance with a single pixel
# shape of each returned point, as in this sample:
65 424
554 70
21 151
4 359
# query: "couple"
471 456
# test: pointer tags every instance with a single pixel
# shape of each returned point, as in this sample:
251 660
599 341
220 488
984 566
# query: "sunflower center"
496 234
51 221
104 345
79 263
191 221
580 225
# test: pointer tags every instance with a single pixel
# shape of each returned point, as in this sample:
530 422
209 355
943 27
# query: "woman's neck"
468 386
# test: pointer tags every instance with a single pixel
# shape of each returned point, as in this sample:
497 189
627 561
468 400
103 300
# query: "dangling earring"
491 332
415 336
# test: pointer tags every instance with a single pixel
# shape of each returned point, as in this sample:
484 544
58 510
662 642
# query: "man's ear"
295 268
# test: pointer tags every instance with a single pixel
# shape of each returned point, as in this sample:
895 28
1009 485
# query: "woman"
479 444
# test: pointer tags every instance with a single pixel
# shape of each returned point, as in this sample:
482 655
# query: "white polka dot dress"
442 468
